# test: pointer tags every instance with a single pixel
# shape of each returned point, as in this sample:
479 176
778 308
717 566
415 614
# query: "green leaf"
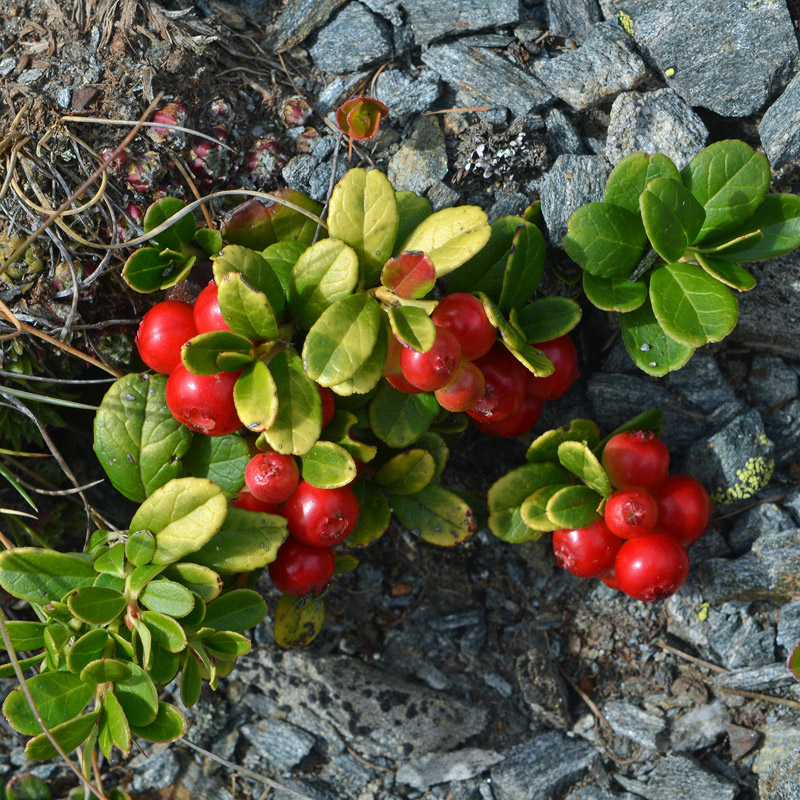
204 583
407 473
24 635
55 639
138 697
163 665
282 256
794 663
297 621
69 735
141 576
179 233
165 631
578 458
545 447
412 327
258 224
507 494
410 276
534 510
438 516
614 294
651 349
399 419
235 611
369 373
221 459
136 439
672 217
435 445
548 318
574 507
692 307
209 240
363 214
255 270
450 237
298 423
106 670
606 240
88 648
148 270
117 723
256 397
183 515
328 466
342 339
95 605
168 725
200 355
25 786
191 683
167 597
630 177
326 272
726 272
111 560
7 670
246 310
524 268
225 644
58 696
247 541
106 581
412 210
650 420
338 431
374 515
42 576
140 548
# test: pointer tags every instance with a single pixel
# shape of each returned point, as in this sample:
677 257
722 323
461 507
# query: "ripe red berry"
636 458
321 517
164 329
207 313
271 476
564 356
203 403
464 390
652 567
299 569
245 500
402 385
506 380
586 552
464 316
328 404
684 508
610 579
434 368
518 423
630 513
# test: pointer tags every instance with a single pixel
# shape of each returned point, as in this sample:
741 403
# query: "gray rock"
562 135
732 68
7 66
490 40
701 384
789 627
596 72
461 619
337 91
779 553
490 77
499 684
298 171
654 122
596 793
742 578
540 767
432 19
434 768
572 19
792 504
442 196
506 204
320 180
782 426
422 159
781 740
157 772
405 95
772 382
297 20
572 182
755 521
542 686
700 727
279 743
741 740
780 127
630 721
755 679
734 463
780 780
352 39
680 776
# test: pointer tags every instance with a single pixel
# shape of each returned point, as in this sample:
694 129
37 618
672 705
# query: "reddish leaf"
360 117
411 275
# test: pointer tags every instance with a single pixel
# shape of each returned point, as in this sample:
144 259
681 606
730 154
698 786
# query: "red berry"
299 569
434 368
464 390
652 567
517 424
164 329
464 316
506 380
207 313
564 356
321 517
392 365
630 513
636 458
203 403
402 385
328 404
586 552
271 476
248 502
684 508
610 579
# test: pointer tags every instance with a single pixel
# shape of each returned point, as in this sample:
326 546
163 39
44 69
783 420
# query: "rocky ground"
486 673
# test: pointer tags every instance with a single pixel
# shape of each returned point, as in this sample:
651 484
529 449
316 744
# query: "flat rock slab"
781 740
630 721
422 160
298 20
432 19
780 127
437 768
596 72
781 779
488 76
404 95
572 19
681 777
731 56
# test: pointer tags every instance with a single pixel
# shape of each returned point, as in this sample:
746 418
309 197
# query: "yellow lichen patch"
750 480
626 20
668 73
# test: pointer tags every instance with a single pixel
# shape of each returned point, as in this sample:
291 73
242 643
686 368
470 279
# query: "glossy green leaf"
399 419
374 515
630 177
168 725
221 459
25 786
605 239
179 233
140 548
342 339
95 605
247 541
726 272
42 576
148 270
106 581
246 310
650 420
191 683
438 516
89 647
200 355
614 294
117 723
574 507
69 735
328 466
203 582
209 240
533 510
183 515
55 640
672 217
412 327
410 276
651 349
298 423
345 563
793 663
369 373
111 560
226 644
691 306
163 665
24 635
260 223
7 670
141 576
106 670
235 611
548 318
524 268
136 439
412 210
435 445
545 447
407 473
326 272
58 696
166 632
138 697
297 621
338 431
167 597
255 269
578 458
256 397
282 256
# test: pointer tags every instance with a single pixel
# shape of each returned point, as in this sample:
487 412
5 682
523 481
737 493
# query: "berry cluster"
469 370
639 544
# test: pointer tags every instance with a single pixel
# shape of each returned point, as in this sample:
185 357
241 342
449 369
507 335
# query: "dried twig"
699 661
